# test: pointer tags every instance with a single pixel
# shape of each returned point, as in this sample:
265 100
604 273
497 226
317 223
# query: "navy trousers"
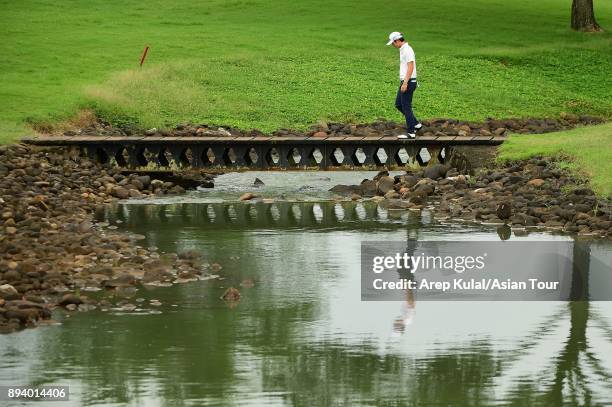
403 103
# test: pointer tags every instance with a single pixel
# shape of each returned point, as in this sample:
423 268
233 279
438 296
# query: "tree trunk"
583 16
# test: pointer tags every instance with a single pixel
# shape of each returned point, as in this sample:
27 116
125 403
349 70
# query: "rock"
355 197
425 187
392 195
8 292
123 280
134 193
157 275
231 294
120 192
408 180
145 180
135 184
12 275
320 134
190 255
385 184
258 182
346 190
247 196
24 314
70 299
503 210
84 227
435 171
367 188
156 184
383 173
537 182
177 189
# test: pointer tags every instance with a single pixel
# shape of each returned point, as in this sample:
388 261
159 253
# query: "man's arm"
409 71
408 75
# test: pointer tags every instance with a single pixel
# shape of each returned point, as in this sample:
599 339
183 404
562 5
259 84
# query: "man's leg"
398 101
406 97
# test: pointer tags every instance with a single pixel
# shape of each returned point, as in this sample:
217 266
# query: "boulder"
385 184
537 182
70 299
12 275
408 180
368 188
120 192
122 280
346 190
145 180
503 210
383 173
8 292
392 195
435 171
156 183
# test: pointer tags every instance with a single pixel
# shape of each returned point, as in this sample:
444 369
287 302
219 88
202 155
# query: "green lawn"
271 64
585 150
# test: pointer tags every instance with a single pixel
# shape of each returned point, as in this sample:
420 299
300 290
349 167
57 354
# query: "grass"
271 64
585 151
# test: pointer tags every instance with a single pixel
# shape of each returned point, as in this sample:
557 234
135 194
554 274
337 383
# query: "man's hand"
404 87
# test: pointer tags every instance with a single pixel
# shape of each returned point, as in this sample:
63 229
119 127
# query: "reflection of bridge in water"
260 215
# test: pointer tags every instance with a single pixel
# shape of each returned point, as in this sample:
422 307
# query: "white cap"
394 36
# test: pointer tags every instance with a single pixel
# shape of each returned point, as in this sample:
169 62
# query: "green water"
300 335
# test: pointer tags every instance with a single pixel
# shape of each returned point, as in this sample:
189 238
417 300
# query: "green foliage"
587 147
268 64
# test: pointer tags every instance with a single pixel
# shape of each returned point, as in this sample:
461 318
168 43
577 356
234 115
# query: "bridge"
268 152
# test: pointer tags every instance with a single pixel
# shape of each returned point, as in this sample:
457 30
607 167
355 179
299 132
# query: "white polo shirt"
406 55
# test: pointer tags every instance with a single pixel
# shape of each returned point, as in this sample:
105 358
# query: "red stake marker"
144 55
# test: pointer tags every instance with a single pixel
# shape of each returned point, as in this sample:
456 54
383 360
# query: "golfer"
408 83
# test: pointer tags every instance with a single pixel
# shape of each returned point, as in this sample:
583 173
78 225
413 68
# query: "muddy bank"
534 193
432 127
53 254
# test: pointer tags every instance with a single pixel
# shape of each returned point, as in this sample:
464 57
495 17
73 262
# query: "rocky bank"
53 253
534 193
448 127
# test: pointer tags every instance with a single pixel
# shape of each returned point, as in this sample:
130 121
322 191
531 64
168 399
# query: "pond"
300 334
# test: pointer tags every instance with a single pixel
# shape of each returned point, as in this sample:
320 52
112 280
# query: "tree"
583 16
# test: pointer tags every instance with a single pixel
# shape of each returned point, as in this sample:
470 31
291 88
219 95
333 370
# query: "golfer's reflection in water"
407 310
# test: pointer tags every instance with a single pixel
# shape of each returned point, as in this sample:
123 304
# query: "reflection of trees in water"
332 374
204 353
567 380
324 373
